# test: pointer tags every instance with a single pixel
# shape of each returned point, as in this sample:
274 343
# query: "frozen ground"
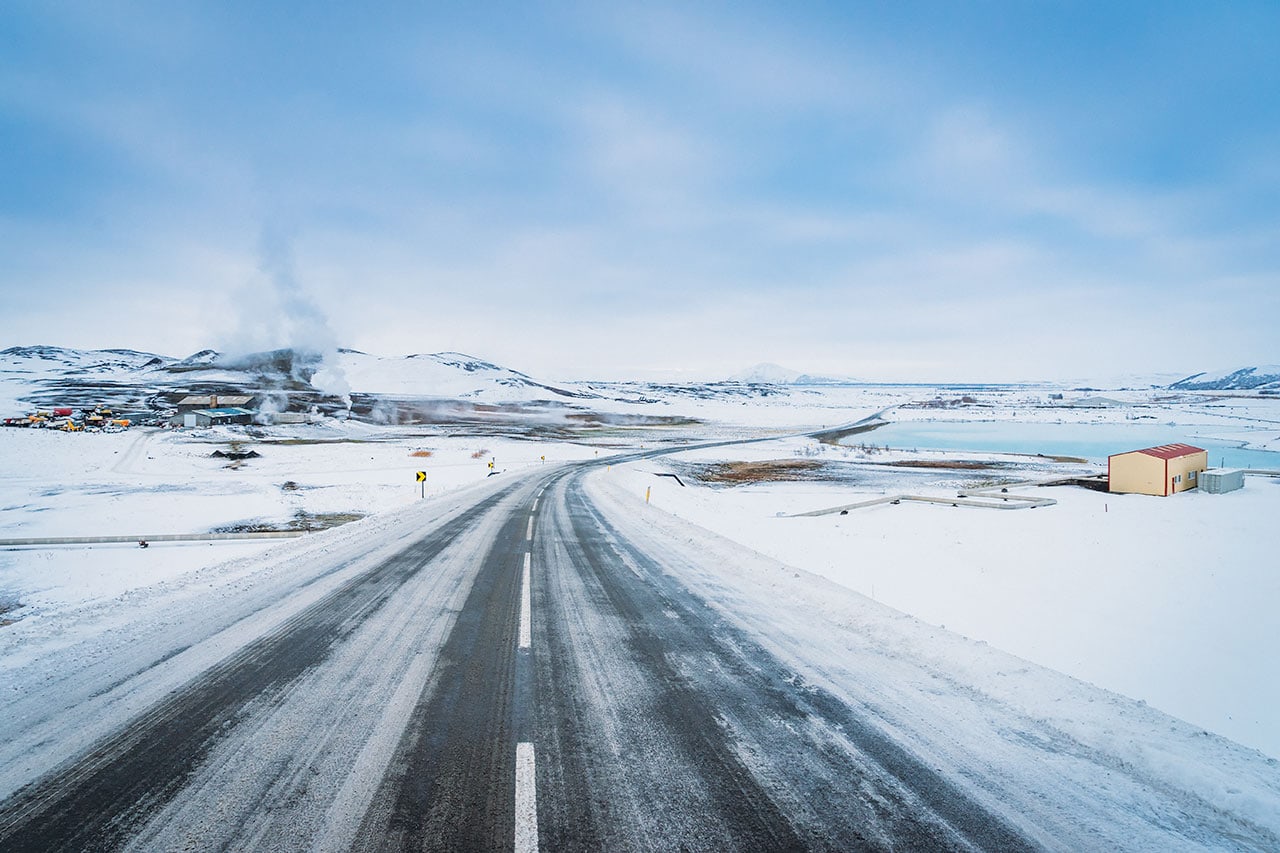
148 482
858 647
156 481
1170 601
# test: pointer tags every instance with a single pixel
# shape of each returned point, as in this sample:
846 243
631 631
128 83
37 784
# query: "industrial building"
216 417
1164 470
212 401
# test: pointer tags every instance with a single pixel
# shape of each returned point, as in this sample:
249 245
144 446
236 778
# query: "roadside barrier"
160 537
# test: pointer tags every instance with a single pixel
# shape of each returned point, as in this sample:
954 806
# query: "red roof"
1168 451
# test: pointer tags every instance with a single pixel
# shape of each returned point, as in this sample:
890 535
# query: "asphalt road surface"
523 676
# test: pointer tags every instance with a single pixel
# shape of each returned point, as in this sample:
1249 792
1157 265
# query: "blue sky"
898 191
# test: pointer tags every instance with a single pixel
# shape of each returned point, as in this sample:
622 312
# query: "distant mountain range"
1265 377
51 376
46 374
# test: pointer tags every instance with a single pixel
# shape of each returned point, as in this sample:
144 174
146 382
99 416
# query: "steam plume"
282 315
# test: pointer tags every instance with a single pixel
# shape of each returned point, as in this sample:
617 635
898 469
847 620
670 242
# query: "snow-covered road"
368 688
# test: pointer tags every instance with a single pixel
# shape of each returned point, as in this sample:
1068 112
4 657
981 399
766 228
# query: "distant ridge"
768 373
39 371
1266 376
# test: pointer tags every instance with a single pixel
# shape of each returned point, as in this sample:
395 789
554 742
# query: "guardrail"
159 537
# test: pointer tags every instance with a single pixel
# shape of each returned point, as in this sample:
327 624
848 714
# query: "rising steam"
281 315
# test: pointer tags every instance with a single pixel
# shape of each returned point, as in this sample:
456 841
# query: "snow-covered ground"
1170 601
884 660
146 482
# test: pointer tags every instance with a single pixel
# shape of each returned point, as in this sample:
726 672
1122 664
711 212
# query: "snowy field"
1169 601
147 482
857 648
1172 601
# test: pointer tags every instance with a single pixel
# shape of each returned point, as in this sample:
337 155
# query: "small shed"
216 417
1215 481
1163 470
295 418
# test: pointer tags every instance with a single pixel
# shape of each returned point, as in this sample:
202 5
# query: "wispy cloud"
814 185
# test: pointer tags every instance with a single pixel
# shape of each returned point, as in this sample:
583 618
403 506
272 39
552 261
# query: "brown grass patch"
480 454
946 465
769 471
422 454
301 521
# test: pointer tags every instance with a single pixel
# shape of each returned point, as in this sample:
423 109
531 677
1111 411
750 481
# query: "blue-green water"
1091 441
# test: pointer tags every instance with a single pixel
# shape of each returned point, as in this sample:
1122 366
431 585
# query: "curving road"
527 675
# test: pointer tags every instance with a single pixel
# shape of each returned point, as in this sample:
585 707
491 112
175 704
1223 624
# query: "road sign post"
422 478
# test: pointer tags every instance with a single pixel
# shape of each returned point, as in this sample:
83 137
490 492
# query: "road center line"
535 504
526 800
528 534
526 607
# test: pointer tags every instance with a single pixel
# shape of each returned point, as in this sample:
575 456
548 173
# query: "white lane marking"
526 800
528 534
526 607
535 504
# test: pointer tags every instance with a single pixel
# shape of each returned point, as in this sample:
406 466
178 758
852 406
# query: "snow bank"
1172 601
900 667
147 482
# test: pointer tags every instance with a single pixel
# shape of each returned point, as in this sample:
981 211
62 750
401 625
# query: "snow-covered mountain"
1240 379
47 362
768 373
445 374
141 382
44 375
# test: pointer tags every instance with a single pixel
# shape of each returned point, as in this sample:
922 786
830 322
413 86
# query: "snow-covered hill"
40 362
445 374
50 376
43 374
1239 379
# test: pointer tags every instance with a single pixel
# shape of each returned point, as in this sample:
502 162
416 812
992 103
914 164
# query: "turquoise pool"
1090 441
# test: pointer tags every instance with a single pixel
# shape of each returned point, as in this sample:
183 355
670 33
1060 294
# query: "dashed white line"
528 534
526 800
526 607
535 504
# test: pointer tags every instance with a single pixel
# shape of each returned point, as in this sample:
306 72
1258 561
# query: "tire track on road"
96 801
779 765
451 783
